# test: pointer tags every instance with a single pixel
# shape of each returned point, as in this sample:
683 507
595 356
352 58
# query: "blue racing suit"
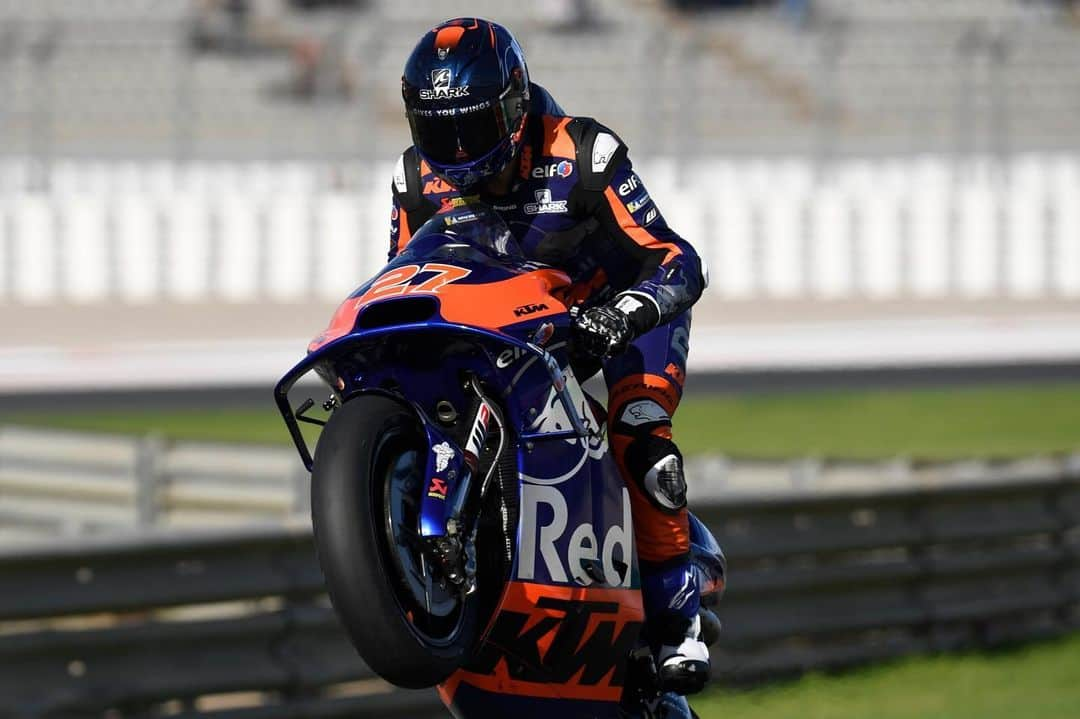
578 204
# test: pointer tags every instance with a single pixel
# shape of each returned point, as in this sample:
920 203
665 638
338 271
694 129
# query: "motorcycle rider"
569 194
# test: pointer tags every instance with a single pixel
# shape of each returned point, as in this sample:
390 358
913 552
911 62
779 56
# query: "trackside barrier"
79 483
63 483
236 625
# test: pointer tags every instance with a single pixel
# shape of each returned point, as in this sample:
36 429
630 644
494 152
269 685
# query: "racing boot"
669 705
673 629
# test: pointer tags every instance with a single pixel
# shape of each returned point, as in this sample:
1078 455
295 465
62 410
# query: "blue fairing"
574 549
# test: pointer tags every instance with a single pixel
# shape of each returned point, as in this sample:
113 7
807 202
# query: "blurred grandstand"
274 80
905 157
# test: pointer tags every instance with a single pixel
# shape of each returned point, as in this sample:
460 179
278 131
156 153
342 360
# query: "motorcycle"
470 522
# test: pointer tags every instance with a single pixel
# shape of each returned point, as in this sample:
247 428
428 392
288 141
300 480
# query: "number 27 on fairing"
397 281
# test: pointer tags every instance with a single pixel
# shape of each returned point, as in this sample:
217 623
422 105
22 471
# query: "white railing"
65 484
891 229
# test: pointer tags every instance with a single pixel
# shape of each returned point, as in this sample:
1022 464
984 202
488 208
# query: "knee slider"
657 465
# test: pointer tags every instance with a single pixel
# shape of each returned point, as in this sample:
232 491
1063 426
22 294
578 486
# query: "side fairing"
575 512
572 611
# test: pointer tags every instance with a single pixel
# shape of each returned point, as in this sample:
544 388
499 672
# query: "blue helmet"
466 91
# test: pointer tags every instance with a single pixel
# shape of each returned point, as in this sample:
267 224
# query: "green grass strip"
1039 681
999 421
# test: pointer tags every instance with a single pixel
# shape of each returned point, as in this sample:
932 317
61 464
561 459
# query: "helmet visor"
453 139
454 136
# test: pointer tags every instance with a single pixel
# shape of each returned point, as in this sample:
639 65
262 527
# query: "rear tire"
367 481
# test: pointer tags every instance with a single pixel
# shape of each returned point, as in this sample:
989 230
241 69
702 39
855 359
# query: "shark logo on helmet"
441 79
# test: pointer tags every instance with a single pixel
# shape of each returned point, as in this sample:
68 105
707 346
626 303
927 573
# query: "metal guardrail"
235 625
76 483
208 625
56 483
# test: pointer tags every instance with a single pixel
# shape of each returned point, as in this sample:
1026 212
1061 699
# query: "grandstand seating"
120 78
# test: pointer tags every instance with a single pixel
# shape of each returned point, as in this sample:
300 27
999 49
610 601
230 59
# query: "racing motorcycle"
471 525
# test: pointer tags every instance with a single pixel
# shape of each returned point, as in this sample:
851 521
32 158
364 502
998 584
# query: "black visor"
453 136
458 138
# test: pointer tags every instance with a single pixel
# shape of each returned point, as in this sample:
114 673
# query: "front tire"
366 485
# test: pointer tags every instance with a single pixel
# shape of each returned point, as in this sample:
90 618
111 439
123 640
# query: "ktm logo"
587 642
529 309
673 371
435 186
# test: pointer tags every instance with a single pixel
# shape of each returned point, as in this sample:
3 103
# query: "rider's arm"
671 275
400 231
409 209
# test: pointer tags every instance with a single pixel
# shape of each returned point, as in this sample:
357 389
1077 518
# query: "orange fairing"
498 304
490 306
614 616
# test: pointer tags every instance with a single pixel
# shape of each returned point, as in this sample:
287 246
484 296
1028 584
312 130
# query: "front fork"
452 545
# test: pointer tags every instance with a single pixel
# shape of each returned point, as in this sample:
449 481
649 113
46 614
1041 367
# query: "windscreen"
462 231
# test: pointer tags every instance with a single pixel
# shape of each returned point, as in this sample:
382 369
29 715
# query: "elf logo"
508 356
529 309
629 186
562 169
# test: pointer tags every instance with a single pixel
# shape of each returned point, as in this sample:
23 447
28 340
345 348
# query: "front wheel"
366 485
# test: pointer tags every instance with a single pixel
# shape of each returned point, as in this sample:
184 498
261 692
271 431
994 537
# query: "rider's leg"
645 386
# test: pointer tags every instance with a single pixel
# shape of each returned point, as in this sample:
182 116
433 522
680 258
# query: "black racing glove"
608 330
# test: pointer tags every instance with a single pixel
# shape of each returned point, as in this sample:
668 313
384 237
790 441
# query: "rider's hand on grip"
608 330
603 331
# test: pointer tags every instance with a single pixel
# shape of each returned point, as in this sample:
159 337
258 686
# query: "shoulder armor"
599 152
407 186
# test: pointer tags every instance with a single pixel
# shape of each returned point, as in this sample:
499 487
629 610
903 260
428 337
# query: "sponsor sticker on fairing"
437 488
564 552
443 454
508 356
531 308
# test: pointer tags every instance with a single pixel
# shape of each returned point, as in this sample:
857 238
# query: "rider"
569 194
